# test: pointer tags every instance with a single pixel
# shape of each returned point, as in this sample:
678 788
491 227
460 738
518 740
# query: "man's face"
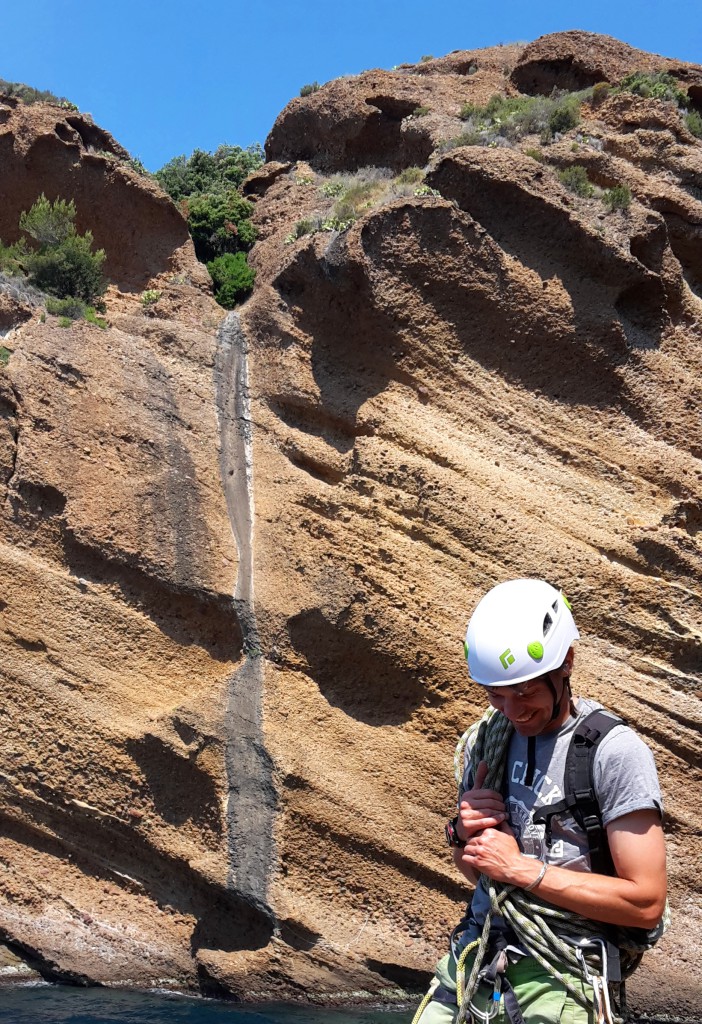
529 705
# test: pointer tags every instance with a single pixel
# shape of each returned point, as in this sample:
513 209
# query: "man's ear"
568 661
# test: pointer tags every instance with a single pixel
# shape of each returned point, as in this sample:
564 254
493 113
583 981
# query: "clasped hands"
491 848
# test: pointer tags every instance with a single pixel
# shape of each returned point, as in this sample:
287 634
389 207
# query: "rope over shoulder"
540 927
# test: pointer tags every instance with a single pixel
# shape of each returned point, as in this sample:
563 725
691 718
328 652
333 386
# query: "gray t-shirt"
625 780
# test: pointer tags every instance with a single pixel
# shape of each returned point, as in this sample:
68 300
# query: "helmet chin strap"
556 699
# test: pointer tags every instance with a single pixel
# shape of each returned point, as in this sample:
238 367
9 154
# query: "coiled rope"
541 928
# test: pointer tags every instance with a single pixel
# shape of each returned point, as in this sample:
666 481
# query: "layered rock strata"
239 557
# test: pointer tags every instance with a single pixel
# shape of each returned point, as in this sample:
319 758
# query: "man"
513 848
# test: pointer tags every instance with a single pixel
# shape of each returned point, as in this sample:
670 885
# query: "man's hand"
495 853
479 808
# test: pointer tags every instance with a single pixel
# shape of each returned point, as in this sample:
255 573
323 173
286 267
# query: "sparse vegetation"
410 176
308 89
575 179
512 117
426 57
4 355
426 190
535 154
332 188
617 198
358 193
420 111
150 297
28 95
657 85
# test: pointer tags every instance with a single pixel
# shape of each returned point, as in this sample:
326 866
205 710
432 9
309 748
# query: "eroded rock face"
497 380
239 558
62 153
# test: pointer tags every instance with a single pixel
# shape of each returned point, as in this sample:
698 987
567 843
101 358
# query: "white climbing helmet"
520 630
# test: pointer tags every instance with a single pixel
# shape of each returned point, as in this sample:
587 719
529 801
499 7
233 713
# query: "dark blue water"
52 1005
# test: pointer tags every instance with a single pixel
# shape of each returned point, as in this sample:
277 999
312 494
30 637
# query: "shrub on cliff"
693 120
657 86
219 224
576 180
232 277
63 263
205 172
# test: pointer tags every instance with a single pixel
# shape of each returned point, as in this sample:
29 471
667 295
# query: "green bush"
205 172
73 309
150 297
64 263
576 180
91 316
232 277
425 58
617 198
12 258
535 154
308 89
693 120
657 86
410 176
420 111
565 115
68 269
600 92
49 223
219 224
4 355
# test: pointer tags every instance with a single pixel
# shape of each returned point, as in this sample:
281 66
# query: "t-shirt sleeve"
625 776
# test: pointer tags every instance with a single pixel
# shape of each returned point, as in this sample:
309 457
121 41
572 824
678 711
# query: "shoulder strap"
579 783
580 798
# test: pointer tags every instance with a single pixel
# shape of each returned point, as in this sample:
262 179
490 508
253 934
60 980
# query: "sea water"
50 1004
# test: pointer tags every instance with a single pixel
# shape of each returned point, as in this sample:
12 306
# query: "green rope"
540 927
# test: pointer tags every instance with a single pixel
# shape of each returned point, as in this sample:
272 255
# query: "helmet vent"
555 607
548 622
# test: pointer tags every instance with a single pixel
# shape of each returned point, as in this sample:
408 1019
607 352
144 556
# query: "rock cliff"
238 558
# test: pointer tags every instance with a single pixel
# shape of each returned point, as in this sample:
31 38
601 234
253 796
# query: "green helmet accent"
566 602
465 649
535 650
507 659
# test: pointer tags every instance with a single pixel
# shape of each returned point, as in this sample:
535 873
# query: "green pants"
542 999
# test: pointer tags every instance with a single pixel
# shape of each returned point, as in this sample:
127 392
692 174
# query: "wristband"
533 885
452 836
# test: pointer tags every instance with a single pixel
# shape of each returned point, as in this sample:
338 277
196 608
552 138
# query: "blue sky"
167 77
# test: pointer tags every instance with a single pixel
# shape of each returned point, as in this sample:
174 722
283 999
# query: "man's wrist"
452 836
536 875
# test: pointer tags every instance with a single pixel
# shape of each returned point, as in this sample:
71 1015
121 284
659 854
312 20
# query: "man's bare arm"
635 898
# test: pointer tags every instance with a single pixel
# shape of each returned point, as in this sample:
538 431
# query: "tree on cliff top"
204 172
